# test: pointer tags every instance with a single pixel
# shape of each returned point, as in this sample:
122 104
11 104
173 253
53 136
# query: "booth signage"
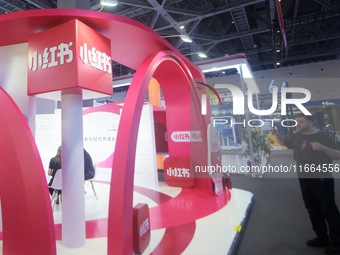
178 172
186 136
70 55
141 228
51 57
95 58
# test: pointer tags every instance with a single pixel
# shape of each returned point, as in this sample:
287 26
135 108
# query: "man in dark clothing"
314 153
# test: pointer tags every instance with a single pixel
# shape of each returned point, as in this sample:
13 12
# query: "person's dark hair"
57 158
302 115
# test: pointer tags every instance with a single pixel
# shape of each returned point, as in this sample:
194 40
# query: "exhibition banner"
100 125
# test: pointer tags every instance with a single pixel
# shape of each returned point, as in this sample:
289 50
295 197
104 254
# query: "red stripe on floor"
175 240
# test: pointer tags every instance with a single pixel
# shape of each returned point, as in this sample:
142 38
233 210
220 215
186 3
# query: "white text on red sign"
186 136
51 57
178 172
63 54
95 58
144 227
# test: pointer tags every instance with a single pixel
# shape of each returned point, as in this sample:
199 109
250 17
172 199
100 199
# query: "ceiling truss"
226 27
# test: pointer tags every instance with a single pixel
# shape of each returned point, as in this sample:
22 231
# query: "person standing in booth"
315 150
54 166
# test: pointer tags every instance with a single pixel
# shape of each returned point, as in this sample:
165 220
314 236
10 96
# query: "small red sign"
178 172
141 228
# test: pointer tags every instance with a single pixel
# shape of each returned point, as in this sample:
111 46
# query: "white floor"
214 234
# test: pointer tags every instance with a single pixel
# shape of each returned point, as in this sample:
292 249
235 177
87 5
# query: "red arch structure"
133 45
182 110
28 226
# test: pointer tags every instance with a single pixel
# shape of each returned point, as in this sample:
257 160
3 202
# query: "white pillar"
73 201
32 106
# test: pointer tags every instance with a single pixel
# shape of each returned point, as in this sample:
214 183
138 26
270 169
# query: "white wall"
13 74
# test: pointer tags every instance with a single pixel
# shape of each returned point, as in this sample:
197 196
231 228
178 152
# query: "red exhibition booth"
69 57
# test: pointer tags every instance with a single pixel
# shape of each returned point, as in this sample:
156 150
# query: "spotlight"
109 2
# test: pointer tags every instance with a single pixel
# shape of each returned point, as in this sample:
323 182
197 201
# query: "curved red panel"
28 226
123 32
176 239
120 207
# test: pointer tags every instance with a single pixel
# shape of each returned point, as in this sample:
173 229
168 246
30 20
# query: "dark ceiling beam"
285 6
10 7
194 25
154 21
247 52
183 12
218 39
173 23
265 41
37 4
313 29
211 47
205 26
296 8
258 50
3 10
325 4
226 28
261 63
312 18
272 14
258 17
134 13
172 1
240 21
314 40
239 35
272 10
212 41
316 54
242 4
303 58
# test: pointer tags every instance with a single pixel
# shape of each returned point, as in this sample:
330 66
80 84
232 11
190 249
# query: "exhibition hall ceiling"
226 27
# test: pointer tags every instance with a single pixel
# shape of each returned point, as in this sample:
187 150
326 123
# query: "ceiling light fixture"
184 38
202 55
199 53
109 3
